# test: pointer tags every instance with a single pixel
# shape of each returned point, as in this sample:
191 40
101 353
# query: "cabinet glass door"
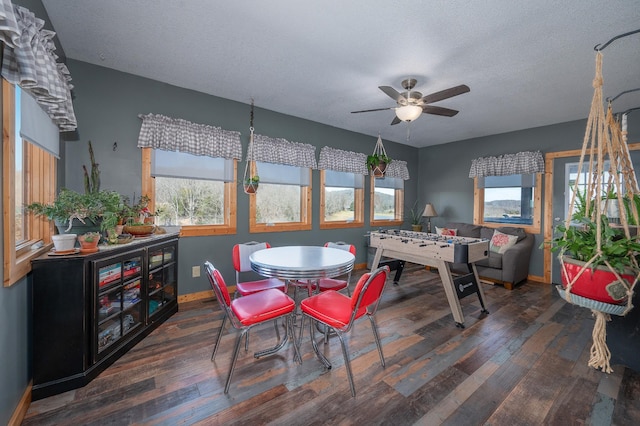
119 305
162 283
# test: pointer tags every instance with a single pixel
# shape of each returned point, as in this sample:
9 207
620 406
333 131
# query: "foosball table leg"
459 324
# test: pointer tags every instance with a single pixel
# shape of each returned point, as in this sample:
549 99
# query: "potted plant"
377 163
250 184
89 242
72 209
415 217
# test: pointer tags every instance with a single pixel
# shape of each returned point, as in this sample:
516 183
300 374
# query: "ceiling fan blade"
370 110
445 94
430 109
396 120
392 93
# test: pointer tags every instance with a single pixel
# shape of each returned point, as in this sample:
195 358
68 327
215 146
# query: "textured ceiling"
528 63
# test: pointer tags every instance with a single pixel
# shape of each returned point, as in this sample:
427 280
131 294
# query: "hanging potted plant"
378 161
251 184
377 164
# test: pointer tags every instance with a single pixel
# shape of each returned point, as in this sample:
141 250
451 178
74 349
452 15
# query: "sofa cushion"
501 242
465 229
446 231
511 230
493 261
486 233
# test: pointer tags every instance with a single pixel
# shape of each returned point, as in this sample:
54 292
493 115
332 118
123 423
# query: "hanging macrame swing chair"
600 283
250 179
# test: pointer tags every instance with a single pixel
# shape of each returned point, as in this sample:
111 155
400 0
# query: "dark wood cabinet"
89 310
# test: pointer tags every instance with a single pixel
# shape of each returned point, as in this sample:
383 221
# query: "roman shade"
188 166
35 124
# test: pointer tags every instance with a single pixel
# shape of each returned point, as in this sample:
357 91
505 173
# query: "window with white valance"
192 175
29 61
507 189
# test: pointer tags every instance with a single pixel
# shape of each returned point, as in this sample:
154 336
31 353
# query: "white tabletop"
302 262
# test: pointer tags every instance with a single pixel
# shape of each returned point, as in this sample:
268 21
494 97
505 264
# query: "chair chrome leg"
377 337
276 348
347 363
320 356
236 349
215 346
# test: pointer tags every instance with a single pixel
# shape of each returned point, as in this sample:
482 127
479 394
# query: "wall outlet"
195 271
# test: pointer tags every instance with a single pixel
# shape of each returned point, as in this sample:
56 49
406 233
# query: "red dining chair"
338 312
241 264
325 284
248 311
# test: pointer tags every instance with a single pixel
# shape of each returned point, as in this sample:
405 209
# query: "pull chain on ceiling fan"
411 104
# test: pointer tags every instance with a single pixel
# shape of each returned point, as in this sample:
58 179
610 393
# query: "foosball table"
437 251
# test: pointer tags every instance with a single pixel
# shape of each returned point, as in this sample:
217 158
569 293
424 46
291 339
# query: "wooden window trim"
478 209
230 202
40 185
305 211
399 207
358 205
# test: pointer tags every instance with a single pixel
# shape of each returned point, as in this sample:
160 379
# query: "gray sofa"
509 268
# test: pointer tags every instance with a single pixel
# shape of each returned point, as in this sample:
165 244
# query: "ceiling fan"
411 104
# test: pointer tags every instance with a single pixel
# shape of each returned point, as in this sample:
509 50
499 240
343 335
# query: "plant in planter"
415 217
377 163
251 184
89 242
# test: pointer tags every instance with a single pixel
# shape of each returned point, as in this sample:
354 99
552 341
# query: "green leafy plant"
415 214
579 241
252 180
90 237
374 159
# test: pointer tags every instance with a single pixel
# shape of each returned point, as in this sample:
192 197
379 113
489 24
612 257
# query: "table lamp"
429 212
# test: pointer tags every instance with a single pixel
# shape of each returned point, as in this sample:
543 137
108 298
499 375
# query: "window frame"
230 202
358 209
305 211
39 185
478 208
398 219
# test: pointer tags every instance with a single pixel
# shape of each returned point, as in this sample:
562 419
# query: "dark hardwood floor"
523 364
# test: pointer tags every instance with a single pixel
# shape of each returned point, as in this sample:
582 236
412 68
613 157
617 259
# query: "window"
387 200
191 191
28 176
571 175
341 199
508 200
283 200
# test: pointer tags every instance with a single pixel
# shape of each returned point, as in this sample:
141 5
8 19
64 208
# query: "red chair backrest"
343 246
369 289
241 253
218 285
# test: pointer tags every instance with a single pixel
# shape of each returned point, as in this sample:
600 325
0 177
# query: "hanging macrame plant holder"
595 283
378 161
250 179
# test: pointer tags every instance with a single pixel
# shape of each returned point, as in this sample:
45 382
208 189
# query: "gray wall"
107 105
444 169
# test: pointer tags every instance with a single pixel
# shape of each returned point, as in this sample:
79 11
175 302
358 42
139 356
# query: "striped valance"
343 161
526 162
175 134
281 151
397 169
28 60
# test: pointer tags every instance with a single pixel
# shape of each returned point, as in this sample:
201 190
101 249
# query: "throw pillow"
501 242
446 231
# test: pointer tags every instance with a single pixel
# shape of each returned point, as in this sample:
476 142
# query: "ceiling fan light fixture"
408 112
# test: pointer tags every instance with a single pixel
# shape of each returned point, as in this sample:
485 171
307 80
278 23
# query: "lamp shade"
408 112
429 211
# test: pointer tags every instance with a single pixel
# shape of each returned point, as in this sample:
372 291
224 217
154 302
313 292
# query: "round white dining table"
302 262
